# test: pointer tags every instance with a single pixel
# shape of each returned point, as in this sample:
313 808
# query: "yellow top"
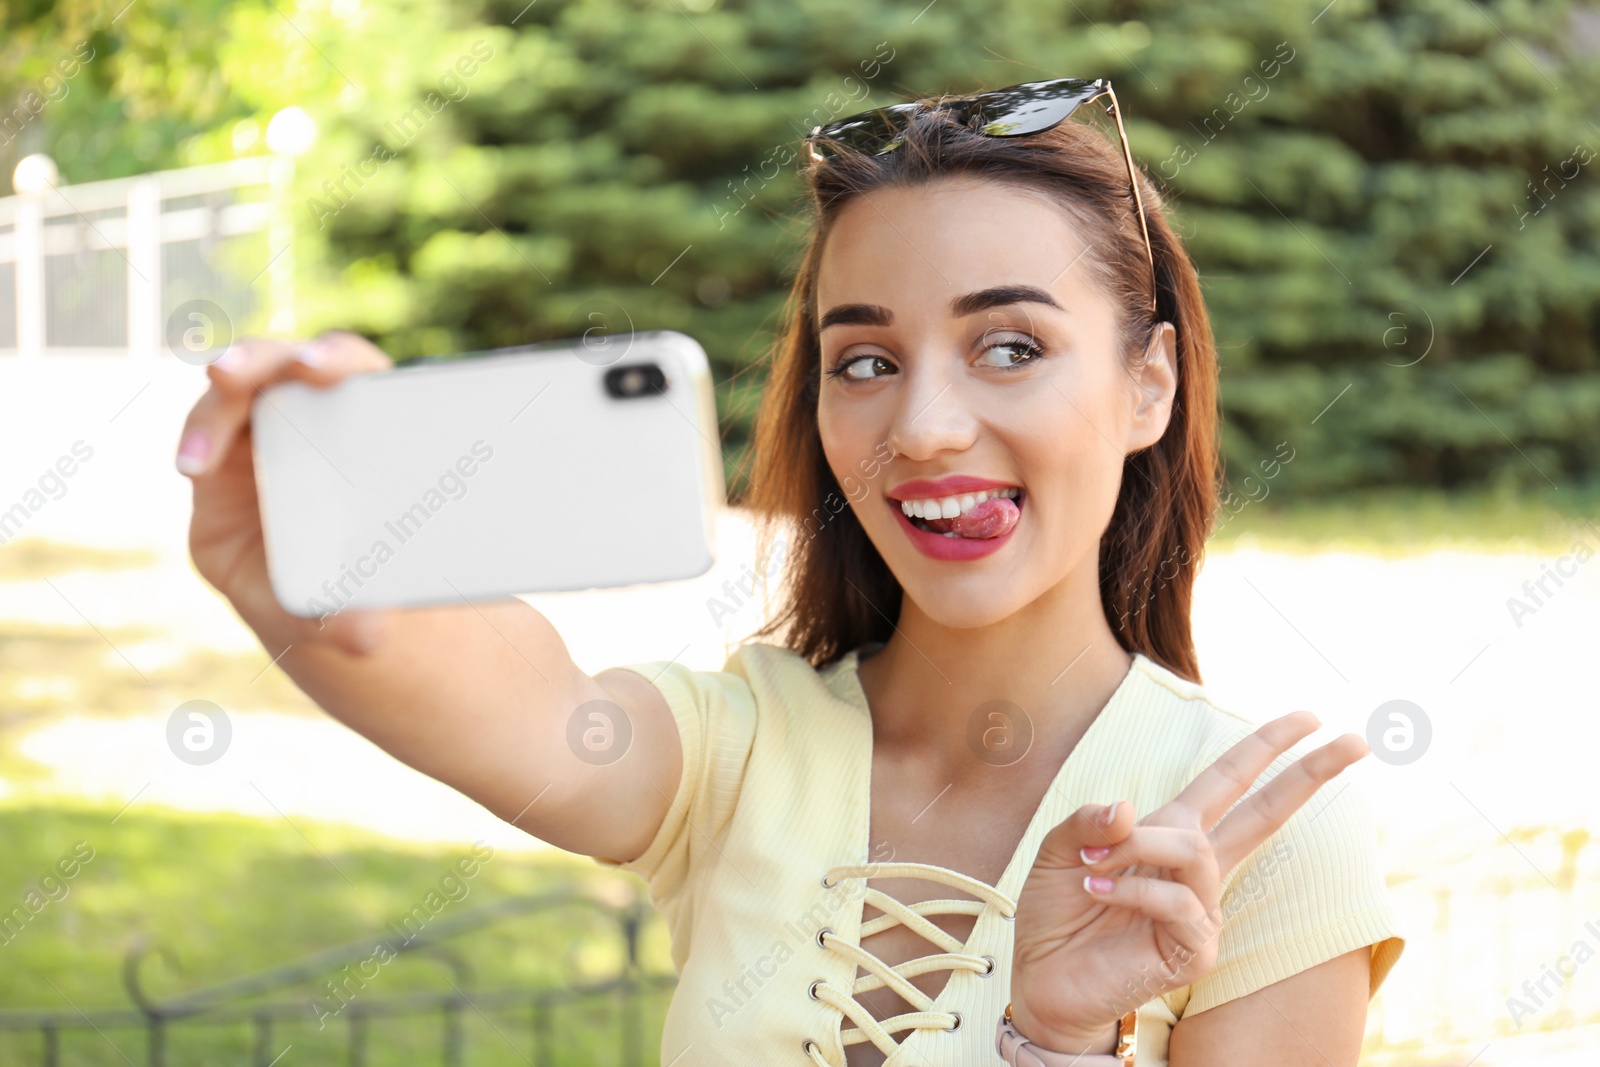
766 847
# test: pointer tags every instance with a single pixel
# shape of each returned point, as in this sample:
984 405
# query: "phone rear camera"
635 380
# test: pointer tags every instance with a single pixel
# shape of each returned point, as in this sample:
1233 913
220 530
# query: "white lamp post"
33 179
290 133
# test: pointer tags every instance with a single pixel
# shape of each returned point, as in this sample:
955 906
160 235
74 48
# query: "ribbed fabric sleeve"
716 716
1313 891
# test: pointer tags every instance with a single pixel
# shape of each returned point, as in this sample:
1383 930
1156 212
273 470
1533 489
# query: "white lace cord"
880 974
949 906
955 879
896 914
870 1029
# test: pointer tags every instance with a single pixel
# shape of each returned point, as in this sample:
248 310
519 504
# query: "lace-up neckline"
952 955
994 902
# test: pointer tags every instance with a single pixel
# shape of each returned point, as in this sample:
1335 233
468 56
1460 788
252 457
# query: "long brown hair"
837 591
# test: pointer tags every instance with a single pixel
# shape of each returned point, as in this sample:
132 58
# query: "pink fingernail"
1094 854
311 353
193 450
232 358
1096 884
1107 816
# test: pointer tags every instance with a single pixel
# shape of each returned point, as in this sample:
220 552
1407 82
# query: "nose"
932 415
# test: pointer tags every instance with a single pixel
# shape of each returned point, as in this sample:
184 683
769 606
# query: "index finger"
216 420
252 362
1215 789
1268 808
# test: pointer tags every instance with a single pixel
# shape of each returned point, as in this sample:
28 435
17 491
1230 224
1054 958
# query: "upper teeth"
948 507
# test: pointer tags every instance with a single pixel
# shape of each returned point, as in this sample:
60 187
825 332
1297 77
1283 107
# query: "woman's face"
972 341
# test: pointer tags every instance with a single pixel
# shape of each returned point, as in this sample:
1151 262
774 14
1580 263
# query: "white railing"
138 265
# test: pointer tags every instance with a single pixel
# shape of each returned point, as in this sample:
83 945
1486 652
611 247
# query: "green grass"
1414 522
47 672
228 896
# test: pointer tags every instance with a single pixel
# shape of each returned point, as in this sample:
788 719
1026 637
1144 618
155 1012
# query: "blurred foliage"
1391 204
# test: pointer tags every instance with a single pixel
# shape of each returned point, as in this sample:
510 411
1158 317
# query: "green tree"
109 90
1392 296
1392 205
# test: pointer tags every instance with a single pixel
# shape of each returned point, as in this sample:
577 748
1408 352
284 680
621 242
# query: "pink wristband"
1018 1051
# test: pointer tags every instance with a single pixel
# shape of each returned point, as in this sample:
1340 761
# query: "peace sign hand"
1115 912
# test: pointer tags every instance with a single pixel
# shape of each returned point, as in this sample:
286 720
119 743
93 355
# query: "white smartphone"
561 466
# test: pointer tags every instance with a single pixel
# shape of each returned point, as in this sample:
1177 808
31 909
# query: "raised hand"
215 451
1115 912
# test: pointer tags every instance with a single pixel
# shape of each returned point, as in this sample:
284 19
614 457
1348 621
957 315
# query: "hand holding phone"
478 695
216 451
542 468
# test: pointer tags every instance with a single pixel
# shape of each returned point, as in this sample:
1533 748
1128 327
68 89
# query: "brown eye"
852 367
1029 349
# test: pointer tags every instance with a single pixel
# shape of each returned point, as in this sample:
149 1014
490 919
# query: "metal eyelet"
811 991
957 1026
827 884
1009 918
824 930
806 1046
989 973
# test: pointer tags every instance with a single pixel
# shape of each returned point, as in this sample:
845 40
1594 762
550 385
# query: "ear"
1155 387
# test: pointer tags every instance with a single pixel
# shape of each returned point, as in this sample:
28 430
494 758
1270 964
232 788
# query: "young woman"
975 806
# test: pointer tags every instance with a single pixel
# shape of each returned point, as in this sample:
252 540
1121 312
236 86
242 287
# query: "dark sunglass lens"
1011 112
868 132
1032 107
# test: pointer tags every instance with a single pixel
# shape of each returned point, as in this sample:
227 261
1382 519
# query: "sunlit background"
1393 209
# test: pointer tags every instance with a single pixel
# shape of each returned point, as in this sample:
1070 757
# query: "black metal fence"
264 1002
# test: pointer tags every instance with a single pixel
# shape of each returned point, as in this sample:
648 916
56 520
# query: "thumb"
1090 826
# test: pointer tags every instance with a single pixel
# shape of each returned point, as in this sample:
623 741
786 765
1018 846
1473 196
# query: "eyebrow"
961 306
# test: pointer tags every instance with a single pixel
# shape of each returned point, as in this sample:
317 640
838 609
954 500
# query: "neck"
1055 659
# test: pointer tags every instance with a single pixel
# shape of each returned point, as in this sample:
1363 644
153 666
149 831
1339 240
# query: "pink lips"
938 546
922 489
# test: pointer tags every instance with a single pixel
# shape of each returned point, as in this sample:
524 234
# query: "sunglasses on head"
1015 111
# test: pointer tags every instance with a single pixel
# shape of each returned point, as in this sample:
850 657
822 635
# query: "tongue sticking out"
992 518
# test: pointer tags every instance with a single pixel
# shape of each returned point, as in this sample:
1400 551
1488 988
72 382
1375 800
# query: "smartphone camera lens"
635 380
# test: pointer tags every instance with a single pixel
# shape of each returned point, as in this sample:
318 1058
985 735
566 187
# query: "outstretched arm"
479 696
